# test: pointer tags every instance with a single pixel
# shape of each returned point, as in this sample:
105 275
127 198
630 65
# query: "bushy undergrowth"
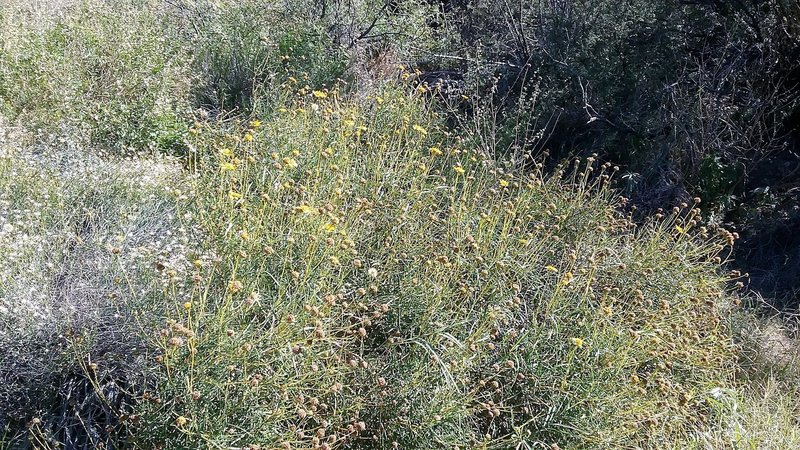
688 98
71 304
131 76
761 411
103 73
378 284
238 51
327 265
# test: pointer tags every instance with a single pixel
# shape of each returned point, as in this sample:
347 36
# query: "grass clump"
103 73
374 283
240 48
79 235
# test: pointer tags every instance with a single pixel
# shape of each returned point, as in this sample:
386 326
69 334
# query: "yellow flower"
233 195
226 152
248 137
187 306
419 129
181 421
504 183
567 279
226 166
329 227
304 208
320 94
235 286
680 229
458 169
435 151
290 162
550 269
255 123
577 342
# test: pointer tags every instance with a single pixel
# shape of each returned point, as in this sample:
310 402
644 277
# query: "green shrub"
230 51
375 282
247 48
107 72
335 271
306 56
658 87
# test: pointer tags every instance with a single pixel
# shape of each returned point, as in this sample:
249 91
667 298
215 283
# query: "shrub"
376 283
344 271
761 412
239 48
660 88
109 74
80 237
689 98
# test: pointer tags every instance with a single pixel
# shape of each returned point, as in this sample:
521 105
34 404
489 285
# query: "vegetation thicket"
255 225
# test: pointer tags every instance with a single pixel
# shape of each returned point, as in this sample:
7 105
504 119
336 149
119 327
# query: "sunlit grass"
377 283
334 271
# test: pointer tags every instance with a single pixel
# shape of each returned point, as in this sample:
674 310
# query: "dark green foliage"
654 86
696 98
308 55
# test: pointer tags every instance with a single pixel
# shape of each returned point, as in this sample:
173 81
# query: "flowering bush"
379 284
329 269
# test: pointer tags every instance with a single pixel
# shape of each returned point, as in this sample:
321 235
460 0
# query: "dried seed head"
253 298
